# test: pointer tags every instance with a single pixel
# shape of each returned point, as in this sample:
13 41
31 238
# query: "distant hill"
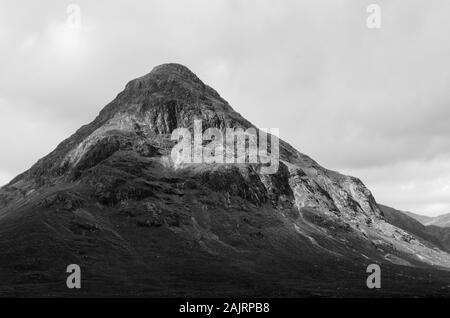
440 221
414 224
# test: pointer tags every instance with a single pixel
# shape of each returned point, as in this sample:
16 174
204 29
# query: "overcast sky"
373 103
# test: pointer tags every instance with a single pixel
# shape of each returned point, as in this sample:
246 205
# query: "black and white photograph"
242 150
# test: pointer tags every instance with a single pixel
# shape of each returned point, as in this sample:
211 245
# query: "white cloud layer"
371 103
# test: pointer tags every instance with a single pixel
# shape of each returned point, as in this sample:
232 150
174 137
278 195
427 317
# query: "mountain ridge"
442 220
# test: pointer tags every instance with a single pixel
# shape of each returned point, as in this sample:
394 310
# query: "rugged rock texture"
110 199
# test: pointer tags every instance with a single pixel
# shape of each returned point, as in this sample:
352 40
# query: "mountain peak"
172 68
168 73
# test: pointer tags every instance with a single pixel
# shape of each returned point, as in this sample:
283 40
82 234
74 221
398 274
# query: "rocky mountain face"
111 199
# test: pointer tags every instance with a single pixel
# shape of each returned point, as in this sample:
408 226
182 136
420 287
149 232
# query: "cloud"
366 102
26 136
5 177
415 185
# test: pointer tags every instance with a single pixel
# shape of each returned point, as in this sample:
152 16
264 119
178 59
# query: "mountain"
111 199
407 221
404 221
442 234
439 221
420 218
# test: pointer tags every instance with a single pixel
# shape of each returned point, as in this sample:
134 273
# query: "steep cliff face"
114 183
